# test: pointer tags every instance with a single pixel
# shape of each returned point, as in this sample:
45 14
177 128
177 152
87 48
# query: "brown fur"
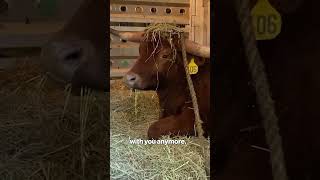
177 117
291 63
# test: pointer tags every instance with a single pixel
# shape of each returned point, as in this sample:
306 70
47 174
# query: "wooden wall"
123 54
200 21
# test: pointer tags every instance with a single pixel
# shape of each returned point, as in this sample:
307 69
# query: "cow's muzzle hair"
191 47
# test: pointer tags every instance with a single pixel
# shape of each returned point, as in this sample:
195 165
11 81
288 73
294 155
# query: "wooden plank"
123 57
128 28
154 3
118 73
148 19
117 40
124 52
27 35
132 28
124 45
33 28
122 63
207 15
12 41
151 1
200 21
149 10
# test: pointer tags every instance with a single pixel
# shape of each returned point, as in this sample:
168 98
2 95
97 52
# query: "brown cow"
76 54
292 64
157 69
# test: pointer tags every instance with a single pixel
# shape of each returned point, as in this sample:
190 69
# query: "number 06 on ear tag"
192 67
266 20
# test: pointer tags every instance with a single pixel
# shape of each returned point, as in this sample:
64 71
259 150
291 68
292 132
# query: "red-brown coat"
157 69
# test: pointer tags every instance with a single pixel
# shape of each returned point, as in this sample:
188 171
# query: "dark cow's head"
159 60
76 54
234 96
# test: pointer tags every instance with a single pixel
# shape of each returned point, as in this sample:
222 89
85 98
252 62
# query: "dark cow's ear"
200 61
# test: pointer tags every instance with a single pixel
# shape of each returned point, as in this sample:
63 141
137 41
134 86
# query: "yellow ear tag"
193 67
266 20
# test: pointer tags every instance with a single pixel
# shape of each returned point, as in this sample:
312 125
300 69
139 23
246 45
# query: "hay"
164 30
46 133
152 161
159 31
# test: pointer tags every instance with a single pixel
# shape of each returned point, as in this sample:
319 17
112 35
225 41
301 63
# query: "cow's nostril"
131 77
76 54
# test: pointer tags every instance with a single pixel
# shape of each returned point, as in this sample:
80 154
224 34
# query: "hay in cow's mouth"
46 133
131 115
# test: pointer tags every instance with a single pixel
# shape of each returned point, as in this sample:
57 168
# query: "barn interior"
132 111
45 131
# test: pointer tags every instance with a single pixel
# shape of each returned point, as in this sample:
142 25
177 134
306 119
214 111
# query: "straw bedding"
47 133
131 115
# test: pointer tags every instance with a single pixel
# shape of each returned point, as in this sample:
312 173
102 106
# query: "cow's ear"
199 61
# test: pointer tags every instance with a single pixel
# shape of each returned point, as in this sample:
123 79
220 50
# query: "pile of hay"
131 115
47 133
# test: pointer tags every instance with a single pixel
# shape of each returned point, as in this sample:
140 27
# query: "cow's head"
159 59
76 54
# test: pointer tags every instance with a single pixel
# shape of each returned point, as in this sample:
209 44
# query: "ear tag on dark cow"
266 20
193 67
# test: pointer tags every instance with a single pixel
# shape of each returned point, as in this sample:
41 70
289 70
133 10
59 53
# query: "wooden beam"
200 21
27 35
148 18
148 1
124 52
23 40
128 28
132 28
124 45
123 57
118 73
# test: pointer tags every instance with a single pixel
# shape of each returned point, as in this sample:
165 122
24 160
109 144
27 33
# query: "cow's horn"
128 36
197 49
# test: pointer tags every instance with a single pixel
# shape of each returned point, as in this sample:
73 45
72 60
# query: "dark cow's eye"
165 56
73 55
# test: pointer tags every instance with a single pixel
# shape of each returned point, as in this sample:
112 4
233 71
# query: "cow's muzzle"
132 80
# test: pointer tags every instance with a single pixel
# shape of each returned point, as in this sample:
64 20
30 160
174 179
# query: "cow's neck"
174 95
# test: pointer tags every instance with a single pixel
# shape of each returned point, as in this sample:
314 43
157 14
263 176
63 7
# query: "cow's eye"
165 56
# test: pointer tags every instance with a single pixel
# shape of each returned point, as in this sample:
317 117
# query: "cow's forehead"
155 43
